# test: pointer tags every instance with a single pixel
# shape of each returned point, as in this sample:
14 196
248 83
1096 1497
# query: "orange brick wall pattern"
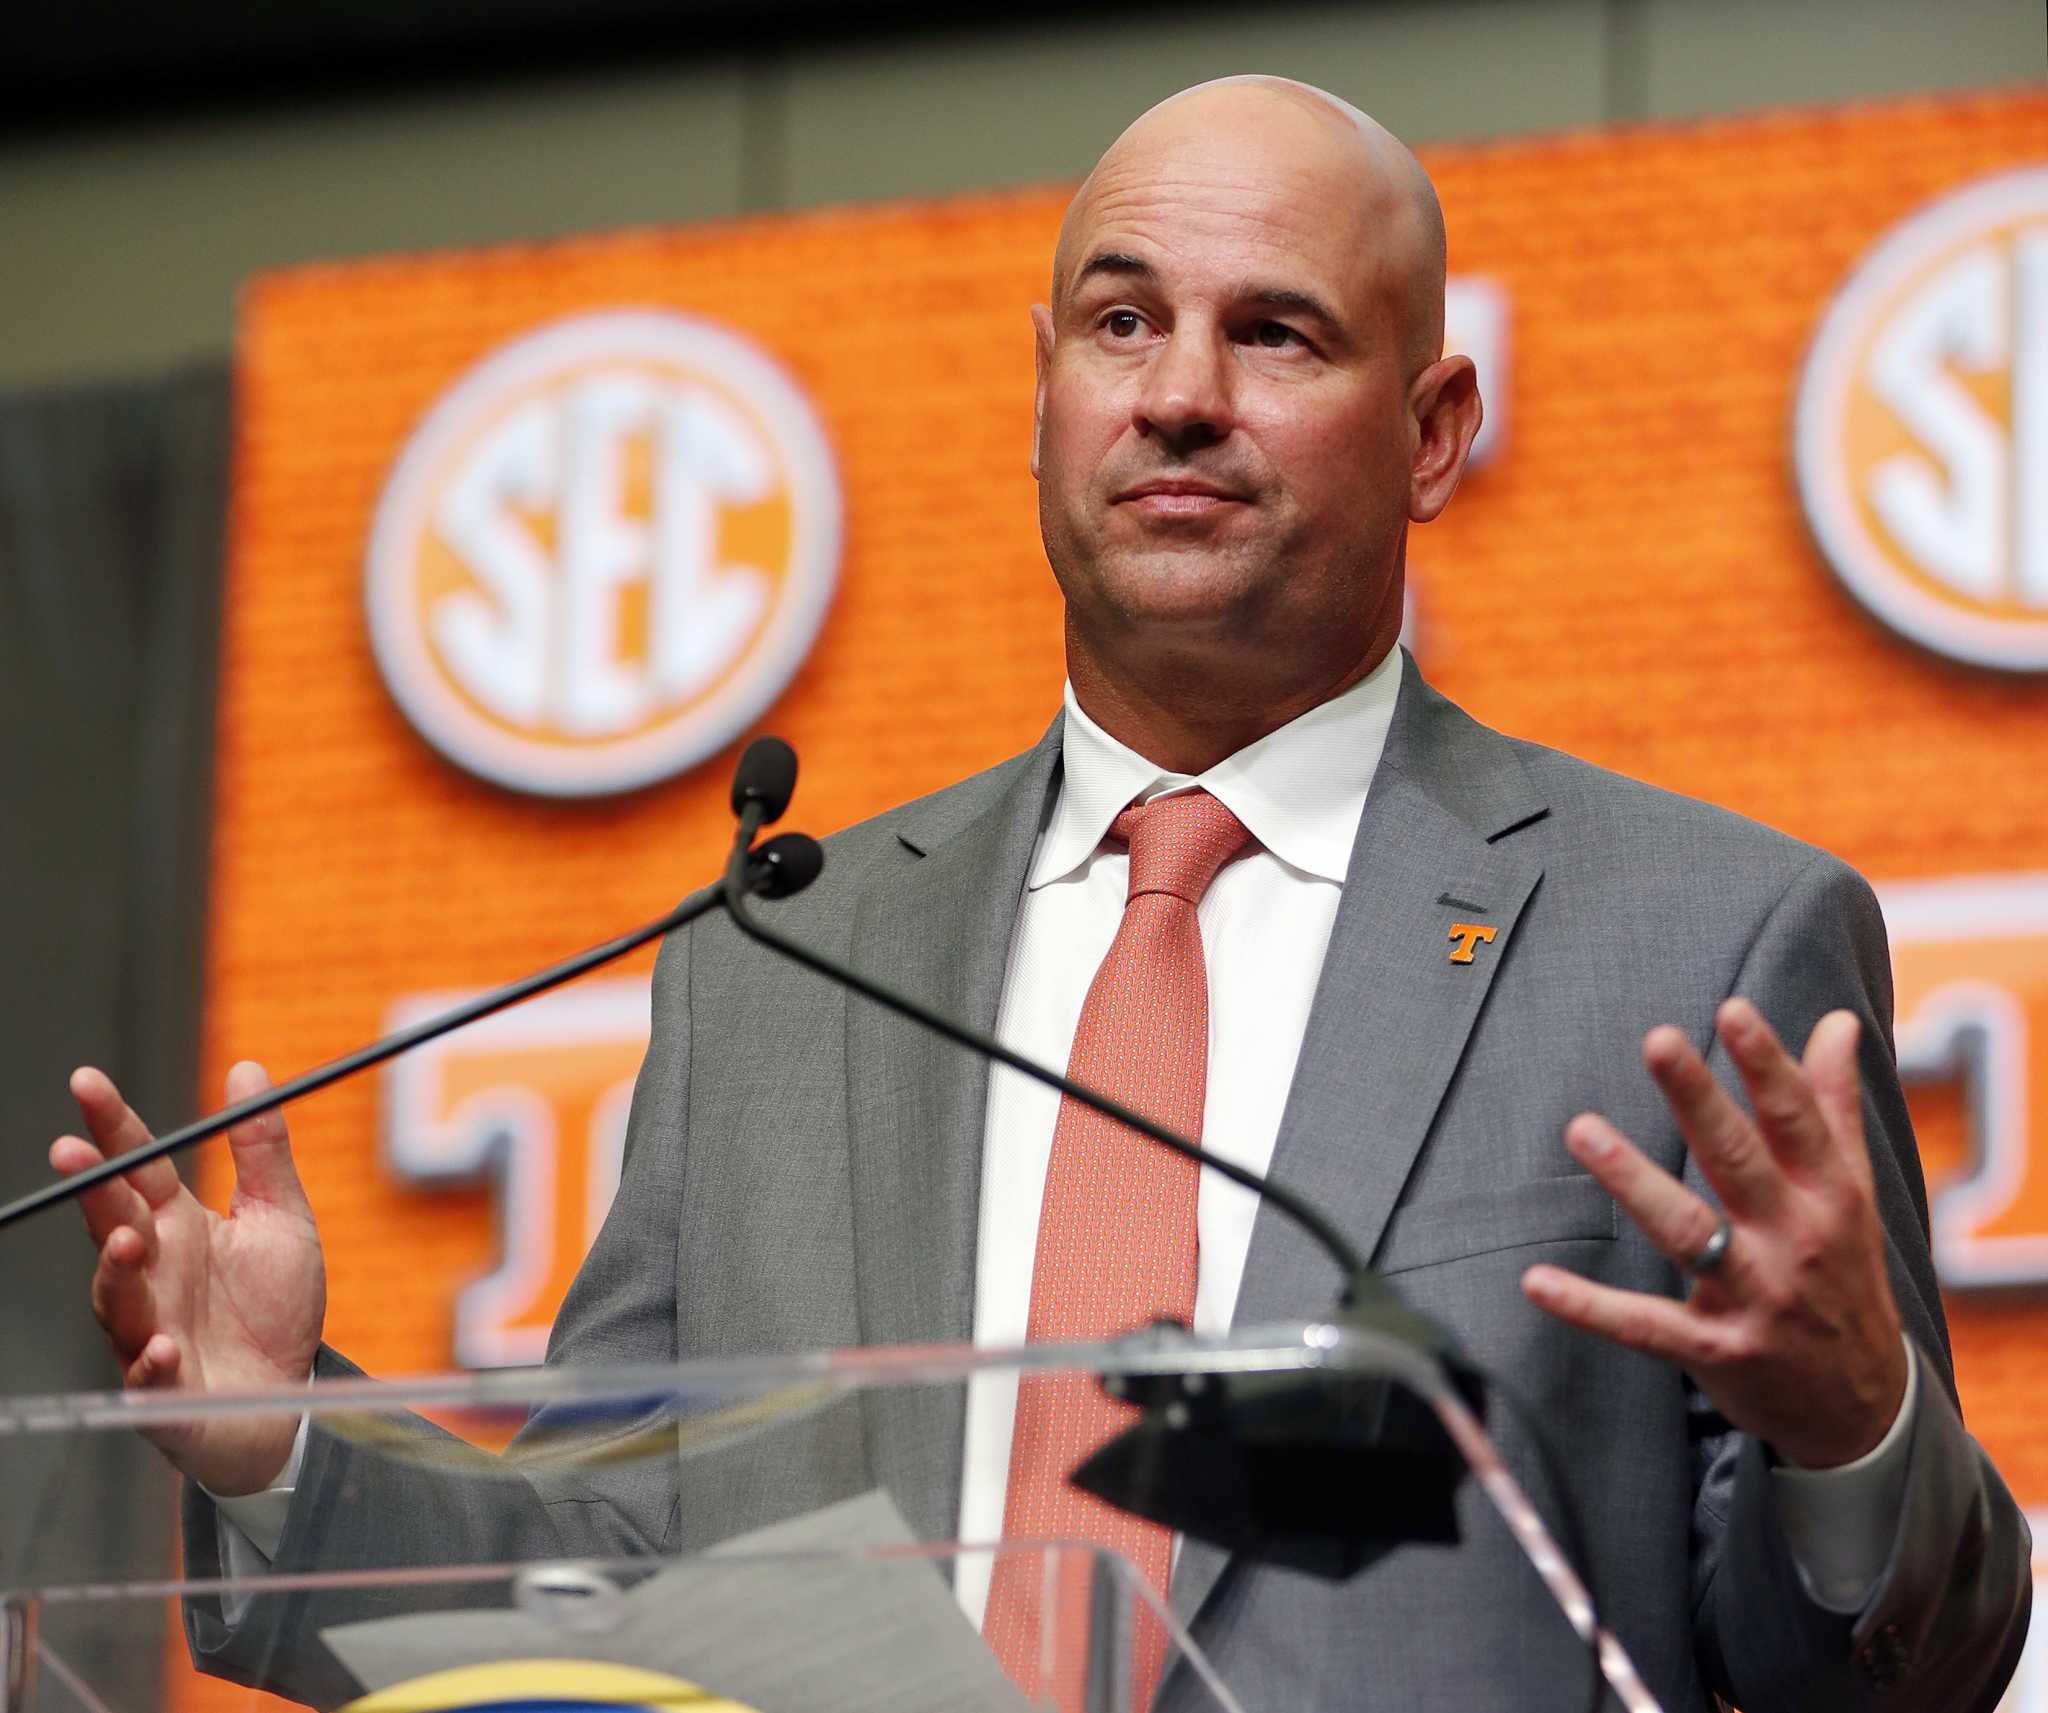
1630 577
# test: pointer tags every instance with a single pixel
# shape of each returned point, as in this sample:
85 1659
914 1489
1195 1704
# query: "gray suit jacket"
802 1170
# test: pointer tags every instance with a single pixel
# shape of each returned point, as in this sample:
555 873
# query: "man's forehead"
1274 161
1253 230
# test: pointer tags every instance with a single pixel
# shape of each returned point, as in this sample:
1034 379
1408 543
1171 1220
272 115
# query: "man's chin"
1171 581
1185 611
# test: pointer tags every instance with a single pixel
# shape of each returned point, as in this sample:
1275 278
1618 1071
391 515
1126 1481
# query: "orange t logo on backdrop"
604 553
535 1099
1922 440
1970 960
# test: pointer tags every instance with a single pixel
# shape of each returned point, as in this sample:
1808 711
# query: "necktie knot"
1179 844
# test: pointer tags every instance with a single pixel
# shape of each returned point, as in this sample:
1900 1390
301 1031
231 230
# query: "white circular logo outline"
817 508
1859 563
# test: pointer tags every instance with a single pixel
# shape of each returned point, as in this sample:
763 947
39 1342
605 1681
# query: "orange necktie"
1116 1237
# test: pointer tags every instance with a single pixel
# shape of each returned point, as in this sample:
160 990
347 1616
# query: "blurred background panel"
152 158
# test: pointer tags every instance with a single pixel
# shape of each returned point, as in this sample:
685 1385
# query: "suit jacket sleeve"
1944 1626
394 1493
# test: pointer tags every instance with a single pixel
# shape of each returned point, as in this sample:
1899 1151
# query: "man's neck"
1186 720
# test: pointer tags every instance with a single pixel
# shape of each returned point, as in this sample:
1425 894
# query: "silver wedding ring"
1712 1253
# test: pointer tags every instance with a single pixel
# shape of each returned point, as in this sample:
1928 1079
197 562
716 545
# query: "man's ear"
1041 354
1444 400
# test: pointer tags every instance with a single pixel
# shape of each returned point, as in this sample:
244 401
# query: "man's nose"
1185 400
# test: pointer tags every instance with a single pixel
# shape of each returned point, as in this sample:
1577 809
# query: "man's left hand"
1794 1336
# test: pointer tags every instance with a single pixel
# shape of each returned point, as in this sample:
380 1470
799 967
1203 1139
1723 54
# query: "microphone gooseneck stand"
783 865
1269 1465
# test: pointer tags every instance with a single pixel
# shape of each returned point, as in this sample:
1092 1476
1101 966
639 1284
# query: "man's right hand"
195 1302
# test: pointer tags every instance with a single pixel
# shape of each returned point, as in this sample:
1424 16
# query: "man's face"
1224 440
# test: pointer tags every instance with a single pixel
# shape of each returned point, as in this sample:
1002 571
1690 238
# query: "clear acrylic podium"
711 1534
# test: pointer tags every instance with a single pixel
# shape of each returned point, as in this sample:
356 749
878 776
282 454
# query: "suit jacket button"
1883 1658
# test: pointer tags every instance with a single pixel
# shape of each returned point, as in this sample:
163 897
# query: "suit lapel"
1392 1011
916 1106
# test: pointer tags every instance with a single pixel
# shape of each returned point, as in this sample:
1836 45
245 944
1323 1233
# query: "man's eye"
1275 335
1121 323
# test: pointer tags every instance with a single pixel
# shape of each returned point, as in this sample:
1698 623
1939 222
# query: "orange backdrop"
1630 579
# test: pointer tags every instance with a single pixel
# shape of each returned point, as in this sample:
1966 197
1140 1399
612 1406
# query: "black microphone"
765 777
787 863
1267 1465
761 788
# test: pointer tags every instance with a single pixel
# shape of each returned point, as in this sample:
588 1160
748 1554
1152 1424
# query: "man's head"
1241 398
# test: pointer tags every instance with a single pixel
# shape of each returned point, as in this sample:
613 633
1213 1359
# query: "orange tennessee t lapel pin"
1468 937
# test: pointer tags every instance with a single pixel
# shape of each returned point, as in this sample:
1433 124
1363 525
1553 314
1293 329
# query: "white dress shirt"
1265 922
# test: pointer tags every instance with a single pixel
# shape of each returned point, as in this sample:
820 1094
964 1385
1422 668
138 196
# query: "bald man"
1513 1023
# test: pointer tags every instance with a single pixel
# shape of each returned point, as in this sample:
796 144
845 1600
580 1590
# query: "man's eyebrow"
1115 262
1294 298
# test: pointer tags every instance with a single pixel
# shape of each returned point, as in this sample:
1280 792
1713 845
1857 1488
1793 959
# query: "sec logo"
1921 429
603 553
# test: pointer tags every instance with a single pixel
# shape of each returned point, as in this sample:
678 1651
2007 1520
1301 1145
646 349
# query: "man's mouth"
1179 496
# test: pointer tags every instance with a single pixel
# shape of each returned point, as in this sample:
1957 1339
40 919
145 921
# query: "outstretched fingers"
262 1148
107 1206
1831 1067
123 1299
1656 1326
1673 1217
1788 1116
1718 1133
117 1130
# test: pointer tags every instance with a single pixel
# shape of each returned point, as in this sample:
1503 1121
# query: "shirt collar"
1300 790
